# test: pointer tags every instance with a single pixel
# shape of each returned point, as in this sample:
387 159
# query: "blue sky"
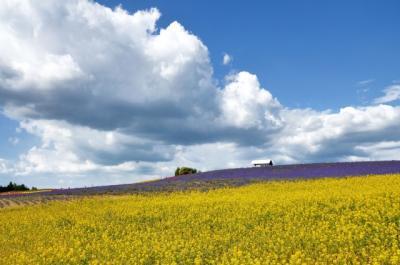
92 94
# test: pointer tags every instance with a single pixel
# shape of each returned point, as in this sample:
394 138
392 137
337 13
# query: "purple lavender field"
235 177
296 171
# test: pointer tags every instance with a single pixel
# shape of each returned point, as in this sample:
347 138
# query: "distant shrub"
184 171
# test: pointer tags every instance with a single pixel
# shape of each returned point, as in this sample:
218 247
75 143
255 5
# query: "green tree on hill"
184 171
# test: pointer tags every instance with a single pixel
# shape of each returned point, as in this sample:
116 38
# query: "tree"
185 170
12 186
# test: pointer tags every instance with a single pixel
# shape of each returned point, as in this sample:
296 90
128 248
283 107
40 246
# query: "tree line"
12 186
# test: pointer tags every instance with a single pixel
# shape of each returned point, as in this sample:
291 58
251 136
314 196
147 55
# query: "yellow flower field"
327 221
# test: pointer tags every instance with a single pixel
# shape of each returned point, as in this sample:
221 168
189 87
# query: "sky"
108 92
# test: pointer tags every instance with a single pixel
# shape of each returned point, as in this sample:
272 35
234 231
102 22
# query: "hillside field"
353 220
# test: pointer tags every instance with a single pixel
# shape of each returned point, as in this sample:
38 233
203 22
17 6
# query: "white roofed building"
262 163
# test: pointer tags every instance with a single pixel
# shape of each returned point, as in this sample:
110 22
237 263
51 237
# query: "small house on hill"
262 163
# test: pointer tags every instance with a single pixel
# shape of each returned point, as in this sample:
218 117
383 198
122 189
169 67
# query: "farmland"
229 178
349 220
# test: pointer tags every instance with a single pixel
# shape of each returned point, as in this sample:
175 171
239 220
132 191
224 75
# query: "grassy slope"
316 222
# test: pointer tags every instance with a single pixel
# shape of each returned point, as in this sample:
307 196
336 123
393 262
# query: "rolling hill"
235 177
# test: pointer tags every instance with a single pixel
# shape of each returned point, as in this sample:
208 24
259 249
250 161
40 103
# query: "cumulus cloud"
227 59
104 147
113 98
391 93
85 57
319 136
245 104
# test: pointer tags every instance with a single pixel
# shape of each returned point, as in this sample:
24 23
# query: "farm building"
262 163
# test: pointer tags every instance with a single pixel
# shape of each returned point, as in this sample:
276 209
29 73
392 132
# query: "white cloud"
387 150
5 166
319 136
112 98
227 59
72 51
245 104
13 140
100 147
365 82
391 93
